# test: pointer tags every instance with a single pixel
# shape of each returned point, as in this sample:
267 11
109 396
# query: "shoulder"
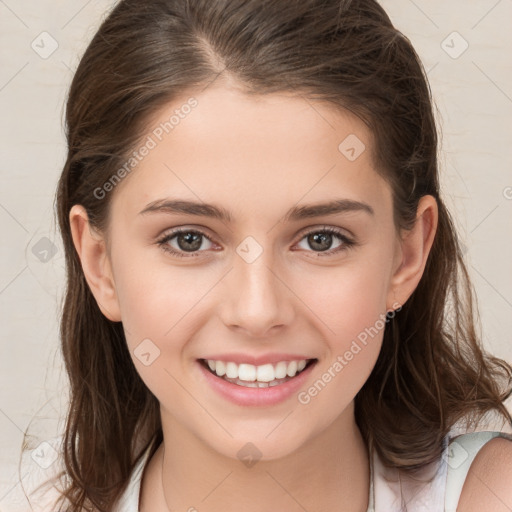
488 485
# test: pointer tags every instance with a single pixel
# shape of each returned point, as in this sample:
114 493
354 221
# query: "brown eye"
321 241
187 240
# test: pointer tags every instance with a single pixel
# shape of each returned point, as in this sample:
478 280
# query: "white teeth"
292 368
247 372
219 367
281 369
257 374
265 373
231 370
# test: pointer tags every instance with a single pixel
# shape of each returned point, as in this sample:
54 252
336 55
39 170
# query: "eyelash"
347 242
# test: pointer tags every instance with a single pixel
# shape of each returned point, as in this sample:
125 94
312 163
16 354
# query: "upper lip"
257 360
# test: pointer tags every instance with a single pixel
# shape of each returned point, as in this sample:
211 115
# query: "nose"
257 298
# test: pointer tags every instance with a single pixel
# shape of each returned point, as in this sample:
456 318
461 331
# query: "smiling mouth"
256 383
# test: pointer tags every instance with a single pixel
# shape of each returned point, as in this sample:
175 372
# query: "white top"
390 489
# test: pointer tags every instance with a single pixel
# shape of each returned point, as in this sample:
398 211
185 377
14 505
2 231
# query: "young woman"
267 307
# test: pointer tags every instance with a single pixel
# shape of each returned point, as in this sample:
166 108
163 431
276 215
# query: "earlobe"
91 249
415 248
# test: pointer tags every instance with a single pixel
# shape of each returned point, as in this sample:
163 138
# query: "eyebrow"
296 213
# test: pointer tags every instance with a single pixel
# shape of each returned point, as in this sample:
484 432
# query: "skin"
487 486
257 157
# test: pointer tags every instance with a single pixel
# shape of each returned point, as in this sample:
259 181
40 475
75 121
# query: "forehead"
252 153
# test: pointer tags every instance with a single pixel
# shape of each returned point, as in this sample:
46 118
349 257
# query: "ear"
92 251
412 253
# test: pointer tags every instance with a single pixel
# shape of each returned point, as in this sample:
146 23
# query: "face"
274 277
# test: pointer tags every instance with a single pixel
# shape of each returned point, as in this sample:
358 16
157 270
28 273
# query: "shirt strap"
461 452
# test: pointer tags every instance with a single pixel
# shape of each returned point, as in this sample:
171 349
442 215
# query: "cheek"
349 298
349 303
154 296
350 308
157 303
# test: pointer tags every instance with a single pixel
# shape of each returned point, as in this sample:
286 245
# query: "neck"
330 471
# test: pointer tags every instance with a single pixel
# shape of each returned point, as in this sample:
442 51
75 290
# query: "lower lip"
244 396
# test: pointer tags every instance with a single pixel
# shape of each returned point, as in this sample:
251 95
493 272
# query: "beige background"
473 92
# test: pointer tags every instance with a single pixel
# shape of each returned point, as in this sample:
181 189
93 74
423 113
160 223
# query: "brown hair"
431 371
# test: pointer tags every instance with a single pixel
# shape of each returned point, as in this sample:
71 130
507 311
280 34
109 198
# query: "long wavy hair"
432 371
